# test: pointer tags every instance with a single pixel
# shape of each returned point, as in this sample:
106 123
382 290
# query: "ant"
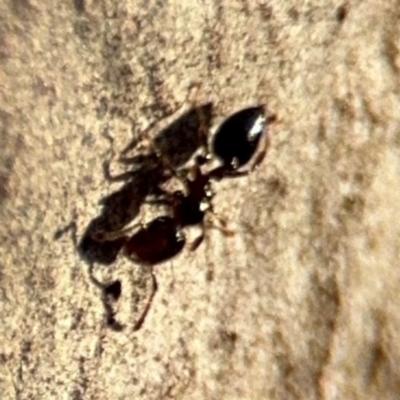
235 144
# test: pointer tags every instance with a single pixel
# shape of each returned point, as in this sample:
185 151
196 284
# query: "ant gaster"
238 138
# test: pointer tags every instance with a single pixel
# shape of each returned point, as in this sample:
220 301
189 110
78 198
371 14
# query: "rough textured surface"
303 302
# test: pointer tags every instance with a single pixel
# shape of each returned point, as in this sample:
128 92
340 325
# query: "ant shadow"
171 149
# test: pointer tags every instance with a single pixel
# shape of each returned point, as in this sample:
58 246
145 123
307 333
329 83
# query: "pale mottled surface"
303 302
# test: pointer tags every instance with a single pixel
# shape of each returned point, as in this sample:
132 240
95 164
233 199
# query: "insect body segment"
157 241
238 138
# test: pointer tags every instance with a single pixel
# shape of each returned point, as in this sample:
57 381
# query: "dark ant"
163 238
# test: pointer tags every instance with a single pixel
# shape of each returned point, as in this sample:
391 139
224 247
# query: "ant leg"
237 174
199 240
102 236
222 172
223 230
221 227
142 318
262 153
221 223
209 224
